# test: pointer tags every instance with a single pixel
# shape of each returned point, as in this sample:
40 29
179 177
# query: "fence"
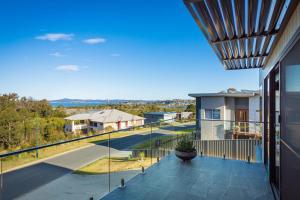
239 149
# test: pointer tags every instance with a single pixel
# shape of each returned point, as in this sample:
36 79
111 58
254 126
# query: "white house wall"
212 129
170 117
229 112
72 127
114 125
123 125
254 115
138 123
254 107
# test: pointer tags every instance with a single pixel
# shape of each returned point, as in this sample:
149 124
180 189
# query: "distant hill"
90 102
93 102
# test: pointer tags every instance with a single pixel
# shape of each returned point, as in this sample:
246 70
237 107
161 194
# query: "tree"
108 129
10 126
22 118
191 108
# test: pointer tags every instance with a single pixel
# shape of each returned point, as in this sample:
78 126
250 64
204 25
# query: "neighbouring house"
184 115
226 115
100 120
160 116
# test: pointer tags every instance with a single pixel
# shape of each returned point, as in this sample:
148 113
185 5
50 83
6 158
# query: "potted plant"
185 150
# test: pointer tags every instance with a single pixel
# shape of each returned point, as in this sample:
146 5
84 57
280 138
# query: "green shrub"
108 129
142 156
185 145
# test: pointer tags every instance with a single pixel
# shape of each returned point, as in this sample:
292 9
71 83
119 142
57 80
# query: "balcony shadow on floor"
125 143
19 182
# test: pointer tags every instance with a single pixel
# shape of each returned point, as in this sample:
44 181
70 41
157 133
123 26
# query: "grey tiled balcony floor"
202 178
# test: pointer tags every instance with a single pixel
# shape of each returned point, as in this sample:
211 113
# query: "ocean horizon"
83 103
77 104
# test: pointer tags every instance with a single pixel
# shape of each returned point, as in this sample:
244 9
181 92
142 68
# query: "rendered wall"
212 129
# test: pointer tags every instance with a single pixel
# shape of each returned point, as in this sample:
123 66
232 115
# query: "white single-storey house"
152 117
100 120
184 115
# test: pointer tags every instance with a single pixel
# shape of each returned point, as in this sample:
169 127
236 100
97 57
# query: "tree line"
139 109
24 122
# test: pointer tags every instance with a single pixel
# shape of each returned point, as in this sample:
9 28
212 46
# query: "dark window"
212 114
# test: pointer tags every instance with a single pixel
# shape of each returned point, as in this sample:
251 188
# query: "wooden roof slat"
203 13
223 23
215 13
240 19
228 15
252 12
201 26
265 9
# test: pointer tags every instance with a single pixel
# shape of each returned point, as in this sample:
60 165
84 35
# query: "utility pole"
1 181
9 134
108 162
151 141
37 139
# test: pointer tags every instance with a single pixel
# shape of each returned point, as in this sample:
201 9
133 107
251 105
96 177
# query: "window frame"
213 113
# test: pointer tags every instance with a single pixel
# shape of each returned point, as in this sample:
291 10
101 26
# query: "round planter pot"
185 156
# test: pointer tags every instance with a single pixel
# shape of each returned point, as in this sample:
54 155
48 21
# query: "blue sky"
94 49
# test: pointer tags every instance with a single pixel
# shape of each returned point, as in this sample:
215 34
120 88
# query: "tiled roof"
105 116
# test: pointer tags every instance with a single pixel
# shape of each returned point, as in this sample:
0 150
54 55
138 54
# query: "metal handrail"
75 139
96 135
224 120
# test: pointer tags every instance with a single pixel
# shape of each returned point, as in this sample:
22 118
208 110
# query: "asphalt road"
24 180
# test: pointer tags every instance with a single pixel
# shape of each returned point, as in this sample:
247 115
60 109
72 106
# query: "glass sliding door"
266 122
272 126
277 129
290 124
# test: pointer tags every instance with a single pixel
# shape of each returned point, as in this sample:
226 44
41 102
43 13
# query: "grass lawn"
187 131
148 144
165 140
116 165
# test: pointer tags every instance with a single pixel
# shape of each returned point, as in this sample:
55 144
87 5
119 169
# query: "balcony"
202 178
226 129
93 166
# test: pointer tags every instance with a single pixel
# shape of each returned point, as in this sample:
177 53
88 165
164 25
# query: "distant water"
84 103
76 104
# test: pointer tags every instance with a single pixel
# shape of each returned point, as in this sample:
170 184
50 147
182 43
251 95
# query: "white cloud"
56 54
94 40
115 55
68 68
55 37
